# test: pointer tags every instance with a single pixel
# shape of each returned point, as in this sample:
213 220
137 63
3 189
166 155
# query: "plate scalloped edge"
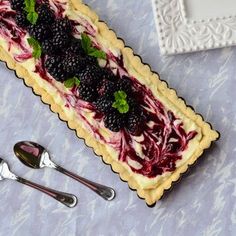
178 35
152 195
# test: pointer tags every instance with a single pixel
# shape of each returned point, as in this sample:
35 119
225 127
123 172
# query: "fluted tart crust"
196 135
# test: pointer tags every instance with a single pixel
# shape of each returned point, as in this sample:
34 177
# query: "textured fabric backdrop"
202 204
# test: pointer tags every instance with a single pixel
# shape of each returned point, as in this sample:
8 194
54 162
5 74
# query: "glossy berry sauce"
163 139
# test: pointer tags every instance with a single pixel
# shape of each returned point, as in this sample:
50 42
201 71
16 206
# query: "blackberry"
48 47
135 122
104 104
114 121
45 14
90 75
73 64
87 93
108 74
106 87
17 5
21 20
60 40
125 84
91 60
62 25
75 48
134 106
40 32
77 51
55 68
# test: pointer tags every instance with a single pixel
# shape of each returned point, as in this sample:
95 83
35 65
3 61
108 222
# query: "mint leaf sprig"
120 102
70 83
32 15
89 49
37 50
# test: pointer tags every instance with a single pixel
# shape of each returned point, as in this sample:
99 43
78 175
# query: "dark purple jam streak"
163 139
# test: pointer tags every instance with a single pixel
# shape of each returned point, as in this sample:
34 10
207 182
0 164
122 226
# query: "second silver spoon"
35 156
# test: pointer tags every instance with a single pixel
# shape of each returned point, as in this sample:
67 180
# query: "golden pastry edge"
149 195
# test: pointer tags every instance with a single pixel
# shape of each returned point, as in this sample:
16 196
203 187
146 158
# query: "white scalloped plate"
195 25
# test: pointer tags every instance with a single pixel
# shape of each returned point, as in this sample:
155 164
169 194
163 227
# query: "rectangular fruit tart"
103 91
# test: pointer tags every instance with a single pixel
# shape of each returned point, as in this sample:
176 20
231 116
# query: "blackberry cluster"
73 64
136 118
48 48
103 98
108 75
21 20
40 32
90 76
135 123
125 84
104 104
91 60
17 5
55 68
114 121
45 14
87 93
65 58
62 26
60 41
75 48
106 87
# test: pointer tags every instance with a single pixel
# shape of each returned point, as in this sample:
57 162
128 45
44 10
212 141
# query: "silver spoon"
35 156
67 199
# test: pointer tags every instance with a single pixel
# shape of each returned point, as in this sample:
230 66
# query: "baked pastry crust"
134 61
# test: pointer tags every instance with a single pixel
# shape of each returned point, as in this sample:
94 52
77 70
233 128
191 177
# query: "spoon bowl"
36 156
30 154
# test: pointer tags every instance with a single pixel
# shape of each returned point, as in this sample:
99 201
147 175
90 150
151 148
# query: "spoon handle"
65 198
105 192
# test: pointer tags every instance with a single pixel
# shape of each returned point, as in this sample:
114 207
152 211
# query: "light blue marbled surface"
202 204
